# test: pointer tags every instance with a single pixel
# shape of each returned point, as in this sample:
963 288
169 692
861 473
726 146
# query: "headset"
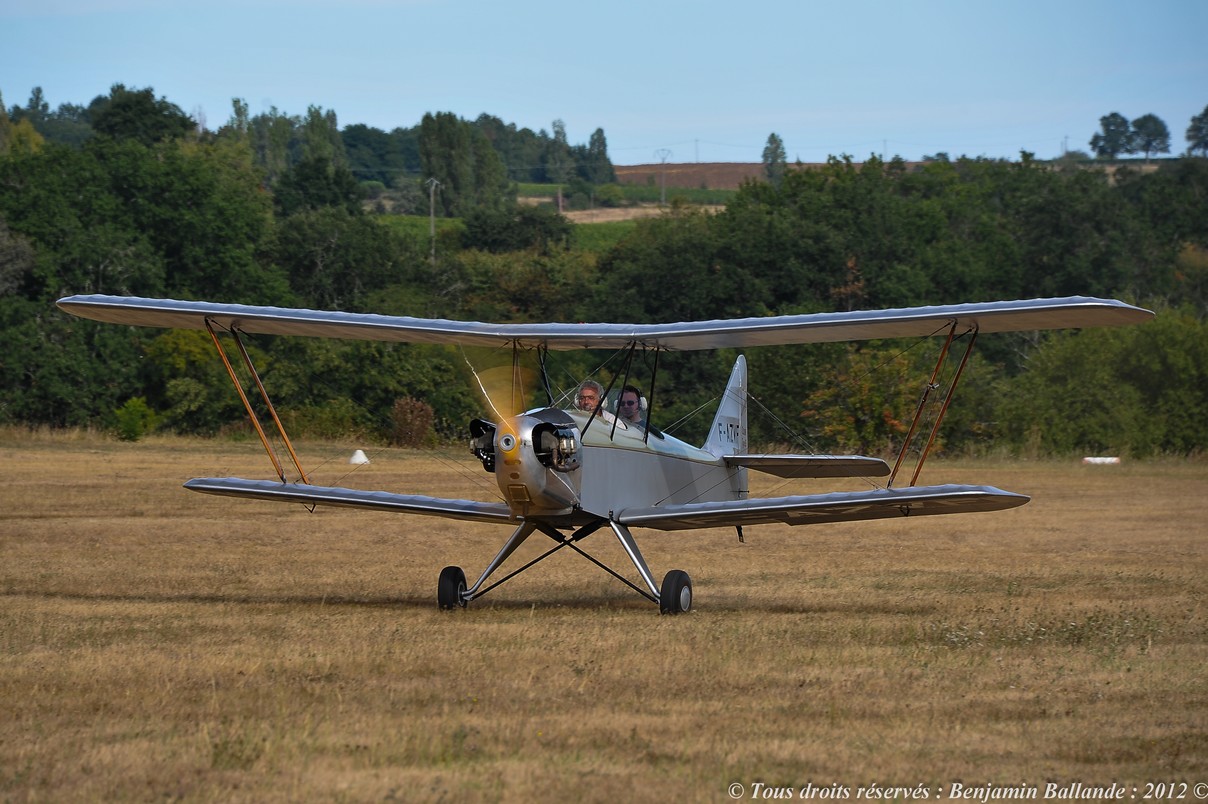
628 389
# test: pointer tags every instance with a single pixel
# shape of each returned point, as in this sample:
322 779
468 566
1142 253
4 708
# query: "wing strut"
654 373
247 361
628 365
918 413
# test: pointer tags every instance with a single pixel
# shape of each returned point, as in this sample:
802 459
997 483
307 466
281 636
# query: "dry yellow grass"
156 644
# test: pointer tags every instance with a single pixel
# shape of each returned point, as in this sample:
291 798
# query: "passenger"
588 400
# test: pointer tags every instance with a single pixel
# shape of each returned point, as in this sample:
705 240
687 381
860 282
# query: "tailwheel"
676 595
451 588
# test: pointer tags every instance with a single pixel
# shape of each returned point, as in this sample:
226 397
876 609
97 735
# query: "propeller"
503 390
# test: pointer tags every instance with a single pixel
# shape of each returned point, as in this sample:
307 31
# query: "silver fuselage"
615 468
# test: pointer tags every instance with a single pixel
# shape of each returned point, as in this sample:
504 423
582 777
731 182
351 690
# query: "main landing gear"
450 592
673 597
676 594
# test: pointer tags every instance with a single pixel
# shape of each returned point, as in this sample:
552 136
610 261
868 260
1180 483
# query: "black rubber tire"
449 590
675 597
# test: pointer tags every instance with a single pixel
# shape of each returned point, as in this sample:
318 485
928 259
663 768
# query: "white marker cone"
358 458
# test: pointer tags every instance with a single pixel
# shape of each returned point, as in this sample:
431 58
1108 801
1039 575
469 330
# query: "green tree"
67 125
136 114
1128 391
184 218
59 371
1167 209
491 186
20 136
374 155
446 152
775 162
274 140
201 207
240 123
515 228
596 167
520 150
37 109
334 258
320 137
187 385
317 182
670 269
1150 135
558 161
1197 134
362 380
864 402
458 155
16 262
84 237
524 285
1073 233
843 236
1115 137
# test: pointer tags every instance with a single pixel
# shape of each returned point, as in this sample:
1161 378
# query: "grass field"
162 645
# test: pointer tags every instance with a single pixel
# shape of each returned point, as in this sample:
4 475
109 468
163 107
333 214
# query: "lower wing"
798 510
353 498
818 508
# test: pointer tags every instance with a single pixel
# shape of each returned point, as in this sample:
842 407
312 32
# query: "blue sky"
708 81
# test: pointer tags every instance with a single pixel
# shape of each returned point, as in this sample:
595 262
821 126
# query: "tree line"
1146 135
474 161
146 205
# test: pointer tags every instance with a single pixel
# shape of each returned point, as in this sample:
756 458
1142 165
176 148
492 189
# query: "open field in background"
157 644
691 175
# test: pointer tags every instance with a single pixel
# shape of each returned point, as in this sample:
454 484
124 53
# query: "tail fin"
728 434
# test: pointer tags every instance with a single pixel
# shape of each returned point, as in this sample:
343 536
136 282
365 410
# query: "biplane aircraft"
567 472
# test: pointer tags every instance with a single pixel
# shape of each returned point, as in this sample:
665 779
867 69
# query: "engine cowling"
535 458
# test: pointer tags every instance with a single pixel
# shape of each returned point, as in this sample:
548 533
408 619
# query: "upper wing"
1003 316
327 495
812 465
817 508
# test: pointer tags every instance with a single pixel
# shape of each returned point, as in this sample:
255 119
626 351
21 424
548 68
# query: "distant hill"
693 175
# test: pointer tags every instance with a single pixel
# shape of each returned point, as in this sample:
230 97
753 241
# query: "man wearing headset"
589 397
631 409
629 406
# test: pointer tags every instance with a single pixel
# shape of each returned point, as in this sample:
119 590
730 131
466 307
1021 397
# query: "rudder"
728 433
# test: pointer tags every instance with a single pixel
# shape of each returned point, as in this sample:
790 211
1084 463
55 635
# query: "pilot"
588 400
630 407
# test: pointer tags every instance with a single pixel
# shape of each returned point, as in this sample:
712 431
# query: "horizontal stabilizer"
353 498
819 508
791 466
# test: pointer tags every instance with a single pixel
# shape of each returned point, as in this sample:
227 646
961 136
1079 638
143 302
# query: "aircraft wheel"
449 590
676 595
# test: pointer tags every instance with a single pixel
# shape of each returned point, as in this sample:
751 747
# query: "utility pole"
432 185
663 155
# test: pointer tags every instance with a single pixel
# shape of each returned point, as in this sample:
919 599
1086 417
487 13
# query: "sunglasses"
627 403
